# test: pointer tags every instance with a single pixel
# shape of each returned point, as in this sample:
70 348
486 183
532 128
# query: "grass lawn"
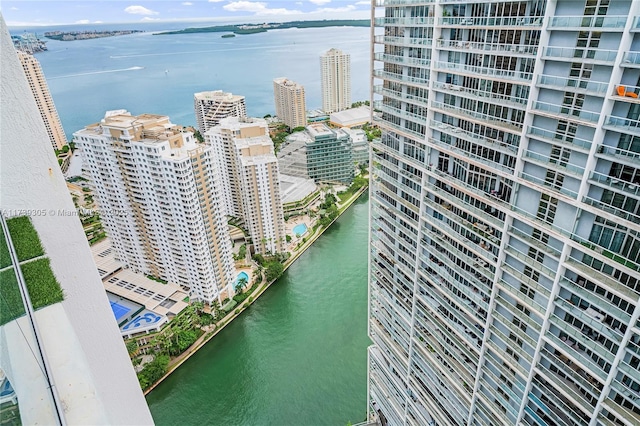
11 306
25 238
5 259
43 287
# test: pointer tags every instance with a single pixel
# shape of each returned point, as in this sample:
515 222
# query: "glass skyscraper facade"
505 213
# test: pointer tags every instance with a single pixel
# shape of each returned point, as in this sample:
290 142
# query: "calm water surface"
297 356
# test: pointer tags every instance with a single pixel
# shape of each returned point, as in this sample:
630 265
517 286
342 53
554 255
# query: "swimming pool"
242 275
300 229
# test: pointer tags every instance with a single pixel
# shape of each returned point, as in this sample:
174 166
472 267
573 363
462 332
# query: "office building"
62 360
44 101
329 154
158 200
335 80
290 102
247 167
211 107
505 213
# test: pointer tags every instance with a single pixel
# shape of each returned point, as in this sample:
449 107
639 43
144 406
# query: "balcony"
494 73
466 155
578 144
587 118
417 81
622 125
404 21
531 22
397 112
478 117
617 185
479 47
578 23
546 162
588 87
392 3
571 54
475 94
612 210
403 41
603 280
402 60
459 133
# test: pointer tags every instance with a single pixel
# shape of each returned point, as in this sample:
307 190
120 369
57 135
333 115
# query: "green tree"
273 270
217 311
198 136
153 371
242 282
132 346
242 252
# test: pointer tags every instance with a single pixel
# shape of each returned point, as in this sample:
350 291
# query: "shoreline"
208 335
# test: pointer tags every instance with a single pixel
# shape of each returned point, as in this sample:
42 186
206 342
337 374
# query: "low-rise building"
359 145
329 154
353 117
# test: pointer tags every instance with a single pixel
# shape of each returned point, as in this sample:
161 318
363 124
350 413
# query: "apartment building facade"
329 154
158 198
44 101
248 173
335 80
211 107
290 102
505 213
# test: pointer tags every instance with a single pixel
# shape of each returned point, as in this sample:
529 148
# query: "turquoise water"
88 77
300 229
242 275
297 356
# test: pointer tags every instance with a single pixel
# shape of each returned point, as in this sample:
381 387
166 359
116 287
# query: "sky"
61 12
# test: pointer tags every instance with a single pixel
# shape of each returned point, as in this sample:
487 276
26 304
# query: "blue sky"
37 12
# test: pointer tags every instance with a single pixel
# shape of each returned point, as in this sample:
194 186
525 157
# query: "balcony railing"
616 184
488 47
403 41
501 21
498 98
399 113
570 23
582 54
552 137
491 120
424 82
468 136
623 125
595 88
475 71
567 112
396 59
631 59
404 21
545 161
403 2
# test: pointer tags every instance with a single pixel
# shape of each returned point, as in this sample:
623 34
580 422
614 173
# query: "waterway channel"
297 356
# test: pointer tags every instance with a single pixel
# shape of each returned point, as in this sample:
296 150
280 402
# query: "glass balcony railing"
623 125
404 21
617 211
544 160
497 21
488 47
510 75
498 98
616 184
581 54
631 59
424 82
396 59
588 117
569 23
503 123
552 137
392 3
403 41
595 88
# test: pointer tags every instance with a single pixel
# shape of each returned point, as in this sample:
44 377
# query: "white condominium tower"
505 213
42 96
249 184
157 195
335 80
211 107
290 102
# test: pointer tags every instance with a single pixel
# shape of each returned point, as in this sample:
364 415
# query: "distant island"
261 28
85 35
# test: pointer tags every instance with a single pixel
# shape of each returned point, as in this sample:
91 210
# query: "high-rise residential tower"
42 96
290 102
247 167
211 107
335 80
157 194
505 213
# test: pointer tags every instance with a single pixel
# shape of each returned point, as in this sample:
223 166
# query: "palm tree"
242 282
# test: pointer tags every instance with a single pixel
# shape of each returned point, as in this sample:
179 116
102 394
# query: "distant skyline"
47 13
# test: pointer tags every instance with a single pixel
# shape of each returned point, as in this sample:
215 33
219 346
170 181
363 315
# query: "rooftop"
217 95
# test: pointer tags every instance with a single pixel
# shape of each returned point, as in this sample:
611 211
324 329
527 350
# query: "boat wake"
97 72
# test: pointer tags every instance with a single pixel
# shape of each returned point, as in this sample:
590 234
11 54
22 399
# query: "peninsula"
85 35
261 28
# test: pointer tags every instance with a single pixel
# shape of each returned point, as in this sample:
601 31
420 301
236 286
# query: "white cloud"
83 21
319 2
149 19
140 10
14 8
336 9
363 3
215 1
187 3
259 8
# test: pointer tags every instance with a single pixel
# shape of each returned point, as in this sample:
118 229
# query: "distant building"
297 193
40 90
290 102
335 80
292 156
211 107
157 194
353 117
359 145
329 155
246 164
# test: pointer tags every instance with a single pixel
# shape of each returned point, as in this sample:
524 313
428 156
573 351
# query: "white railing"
487 47
564 82
485 71
502 21
567 22
601 55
